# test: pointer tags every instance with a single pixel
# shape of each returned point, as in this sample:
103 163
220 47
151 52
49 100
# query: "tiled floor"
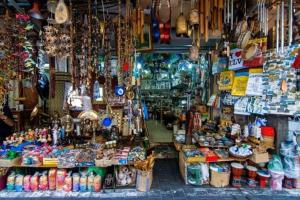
158 132
167 185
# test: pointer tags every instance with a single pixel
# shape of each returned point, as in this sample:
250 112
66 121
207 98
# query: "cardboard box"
259 157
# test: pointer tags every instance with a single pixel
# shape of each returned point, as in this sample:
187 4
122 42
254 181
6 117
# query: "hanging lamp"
35 12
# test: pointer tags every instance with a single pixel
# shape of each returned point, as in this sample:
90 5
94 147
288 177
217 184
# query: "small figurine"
44 139
55 135
49 138
31 134
40 138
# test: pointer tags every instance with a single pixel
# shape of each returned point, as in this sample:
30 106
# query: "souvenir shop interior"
94 93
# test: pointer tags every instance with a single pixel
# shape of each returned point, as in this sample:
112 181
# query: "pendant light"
35 12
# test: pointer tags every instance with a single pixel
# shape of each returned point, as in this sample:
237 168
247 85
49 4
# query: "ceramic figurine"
49 138
55 135
31 134
44 139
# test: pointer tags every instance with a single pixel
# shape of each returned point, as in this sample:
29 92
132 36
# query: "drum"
244 39
252 172
263 178
237 169
249 52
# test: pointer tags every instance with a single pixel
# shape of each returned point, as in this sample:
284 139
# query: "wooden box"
258 157
10 163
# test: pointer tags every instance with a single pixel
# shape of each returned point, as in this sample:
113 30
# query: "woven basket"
219 179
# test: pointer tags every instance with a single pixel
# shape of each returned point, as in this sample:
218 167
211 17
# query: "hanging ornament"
126 67
119 91
61 13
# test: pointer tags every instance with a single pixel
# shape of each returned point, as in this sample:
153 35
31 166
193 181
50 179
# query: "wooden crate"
50 162
182 167
10 163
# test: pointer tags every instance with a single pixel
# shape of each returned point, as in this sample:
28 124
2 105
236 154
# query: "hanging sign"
240 84
255 85
235 60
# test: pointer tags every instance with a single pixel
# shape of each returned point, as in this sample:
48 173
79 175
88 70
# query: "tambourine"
249 52
119 91
244 39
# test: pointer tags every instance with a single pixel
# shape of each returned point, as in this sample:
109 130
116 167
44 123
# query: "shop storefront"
93 93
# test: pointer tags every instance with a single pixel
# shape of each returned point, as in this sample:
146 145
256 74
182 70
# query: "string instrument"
164 19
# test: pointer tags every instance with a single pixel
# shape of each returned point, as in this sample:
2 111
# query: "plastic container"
267 131
297 183
288 183
276 180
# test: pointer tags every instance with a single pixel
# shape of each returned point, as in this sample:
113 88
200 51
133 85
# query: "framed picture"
147 43
98 95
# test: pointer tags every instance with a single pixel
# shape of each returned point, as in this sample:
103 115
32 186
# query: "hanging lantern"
35 12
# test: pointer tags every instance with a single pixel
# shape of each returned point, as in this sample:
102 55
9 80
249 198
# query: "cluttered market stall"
93 93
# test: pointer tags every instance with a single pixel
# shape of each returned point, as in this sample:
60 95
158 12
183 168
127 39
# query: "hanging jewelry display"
57 40
95 40
262 13
72 43
90 68
107 68
119 44
7 61
84 52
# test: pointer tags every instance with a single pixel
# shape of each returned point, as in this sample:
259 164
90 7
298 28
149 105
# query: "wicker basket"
219 179
178 146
